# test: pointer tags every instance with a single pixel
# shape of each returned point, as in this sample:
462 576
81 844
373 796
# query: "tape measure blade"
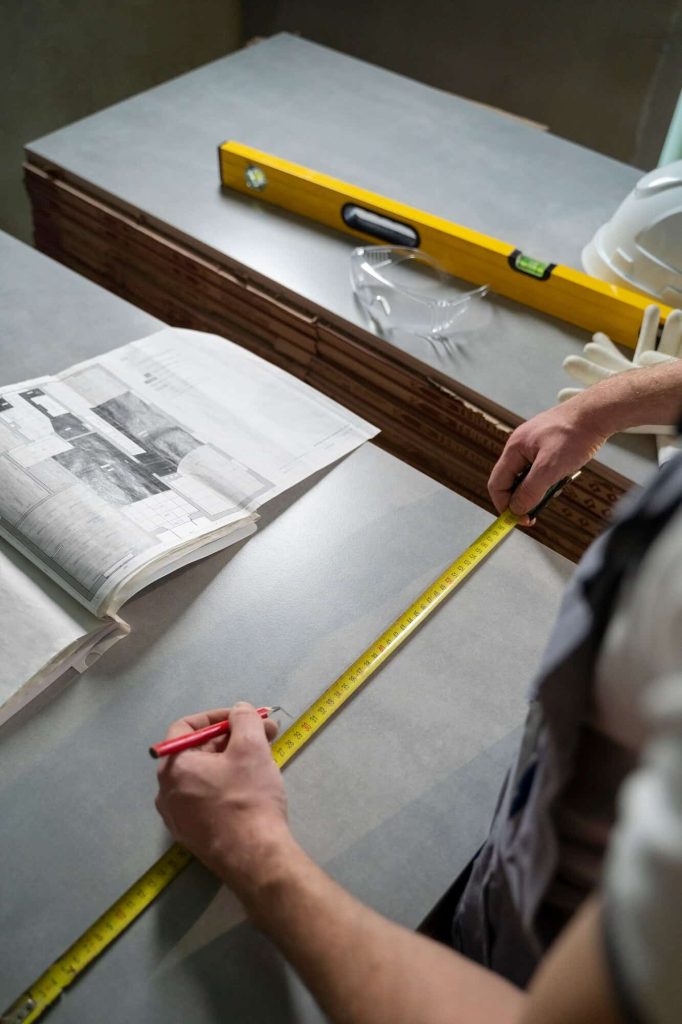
99 936
356 675
121 914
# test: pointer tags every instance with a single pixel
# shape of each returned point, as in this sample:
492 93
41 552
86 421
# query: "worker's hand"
555 443
602 359
225 801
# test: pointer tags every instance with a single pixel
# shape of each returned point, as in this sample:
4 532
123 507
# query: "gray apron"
501 919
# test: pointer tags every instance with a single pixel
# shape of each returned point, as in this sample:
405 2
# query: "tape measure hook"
19 1012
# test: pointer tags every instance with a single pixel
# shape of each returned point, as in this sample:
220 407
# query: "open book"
129 465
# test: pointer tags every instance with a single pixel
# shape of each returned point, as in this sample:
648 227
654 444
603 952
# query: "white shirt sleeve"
643 872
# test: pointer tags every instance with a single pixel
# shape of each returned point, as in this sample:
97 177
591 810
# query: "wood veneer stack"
430 421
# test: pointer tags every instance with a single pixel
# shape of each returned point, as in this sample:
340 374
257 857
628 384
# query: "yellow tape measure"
50 985
33 1003
350 681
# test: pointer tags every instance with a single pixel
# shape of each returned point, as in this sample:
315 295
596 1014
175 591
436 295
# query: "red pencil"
199 736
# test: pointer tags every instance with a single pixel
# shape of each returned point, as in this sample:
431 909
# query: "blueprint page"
128 458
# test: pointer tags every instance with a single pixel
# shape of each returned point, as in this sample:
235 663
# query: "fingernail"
241 704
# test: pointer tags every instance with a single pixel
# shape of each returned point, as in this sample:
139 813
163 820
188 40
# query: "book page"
85 501
251 429
44 632
142 452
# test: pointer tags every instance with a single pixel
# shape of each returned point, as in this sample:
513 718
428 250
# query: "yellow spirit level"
550 288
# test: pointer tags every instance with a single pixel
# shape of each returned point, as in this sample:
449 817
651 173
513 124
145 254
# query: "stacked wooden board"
435 424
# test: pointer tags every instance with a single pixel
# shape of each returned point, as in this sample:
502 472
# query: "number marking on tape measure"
120 915
47 989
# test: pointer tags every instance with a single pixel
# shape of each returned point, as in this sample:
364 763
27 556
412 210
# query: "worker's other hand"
225 801
555 443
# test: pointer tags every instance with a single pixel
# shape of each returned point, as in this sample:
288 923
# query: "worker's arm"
559 441
573 984
227 805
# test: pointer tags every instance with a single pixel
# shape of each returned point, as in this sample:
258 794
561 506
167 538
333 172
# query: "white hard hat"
641 246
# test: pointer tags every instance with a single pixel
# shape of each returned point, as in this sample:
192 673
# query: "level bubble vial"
255 178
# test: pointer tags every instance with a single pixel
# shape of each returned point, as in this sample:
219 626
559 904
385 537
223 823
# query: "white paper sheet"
43 633
134 456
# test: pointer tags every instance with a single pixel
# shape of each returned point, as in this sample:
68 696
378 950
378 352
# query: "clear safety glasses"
406 289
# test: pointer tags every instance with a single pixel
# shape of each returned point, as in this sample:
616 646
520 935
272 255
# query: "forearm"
651 394
362 968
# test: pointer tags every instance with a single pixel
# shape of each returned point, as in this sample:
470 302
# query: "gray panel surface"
51 317
393 797
157 154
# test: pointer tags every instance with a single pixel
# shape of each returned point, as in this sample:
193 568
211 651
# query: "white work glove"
602 359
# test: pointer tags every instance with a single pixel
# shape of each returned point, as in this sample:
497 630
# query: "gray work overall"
500 919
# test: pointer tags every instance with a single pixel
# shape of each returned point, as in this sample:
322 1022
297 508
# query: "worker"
572 910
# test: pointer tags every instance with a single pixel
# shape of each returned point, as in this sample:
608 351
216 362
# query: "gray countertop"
156 153
392 797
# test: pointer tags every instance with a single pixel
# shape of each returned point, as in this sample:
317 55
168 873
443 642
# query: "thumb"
531 490
247 729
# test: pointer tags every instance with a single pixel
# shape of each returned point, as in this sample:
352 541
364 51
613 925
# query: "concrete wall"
63 59
604 73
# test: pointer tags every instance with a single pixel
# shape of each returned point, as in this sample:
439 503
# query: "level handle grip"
385 229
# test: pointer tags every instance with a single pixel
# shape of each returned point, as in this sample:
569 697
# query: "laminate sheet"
155 154
394 795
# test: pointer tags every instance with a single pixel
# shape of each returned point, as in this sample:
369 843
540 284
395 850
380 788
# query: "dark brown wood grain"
430 421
